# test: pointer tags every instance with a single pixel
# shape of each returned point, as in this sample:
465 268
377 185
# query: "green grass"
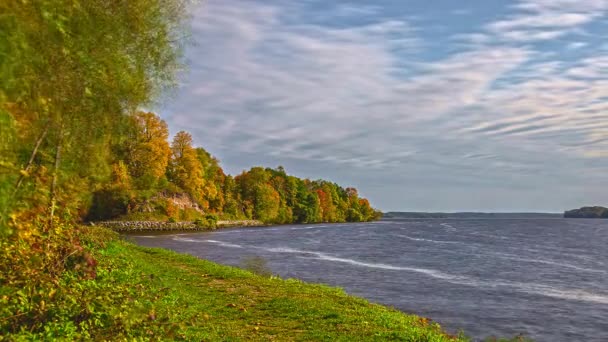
141 294
199 300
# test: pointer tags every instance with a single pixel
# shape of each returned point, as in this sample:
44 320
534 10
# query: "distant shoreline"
595 212
467 215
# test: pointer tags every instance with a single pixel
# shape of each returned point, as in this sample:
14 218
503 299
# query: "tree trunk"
55 176
31 161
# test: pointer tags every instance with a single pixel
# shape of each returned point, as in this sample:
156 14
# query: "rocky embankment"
134 226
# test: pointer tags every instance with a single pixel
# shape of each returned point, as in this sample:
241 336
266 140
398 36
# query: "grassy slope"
199 300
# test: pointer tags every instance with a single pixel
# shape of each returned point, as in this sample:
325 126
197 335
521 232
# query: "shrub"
212 219
208 222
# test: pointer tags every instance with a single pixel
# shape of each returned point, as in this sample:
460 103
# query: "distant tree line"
587 212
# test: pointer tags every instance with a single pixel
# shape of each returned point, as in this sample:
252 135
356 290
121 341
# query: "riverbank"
142 293
226 303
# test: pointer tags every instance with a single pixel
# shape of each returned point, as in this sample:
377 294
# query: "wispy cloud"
361 94
547 19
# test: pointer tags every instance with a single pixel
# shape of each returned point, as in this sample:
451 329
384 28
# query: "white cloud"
266 83
547 19
576 45
290 87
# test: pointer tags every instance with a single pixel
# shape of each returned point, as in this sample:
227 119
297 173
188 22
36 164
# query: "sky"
433 105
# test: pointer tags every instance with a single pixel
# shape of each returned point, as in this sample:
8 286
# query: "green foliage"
8 165
85 301
272 196
37 267
212 218
69 72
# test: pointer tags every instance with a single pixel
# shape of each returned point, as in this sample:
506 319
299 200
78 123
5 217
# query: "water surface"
545 278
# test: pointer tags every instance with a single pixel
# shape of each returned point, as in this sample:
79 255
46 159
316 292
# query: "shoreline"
189 226
163 226
238 303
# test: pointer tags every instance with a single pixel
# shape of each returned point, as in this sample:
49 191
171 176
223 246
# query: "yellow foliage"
149 154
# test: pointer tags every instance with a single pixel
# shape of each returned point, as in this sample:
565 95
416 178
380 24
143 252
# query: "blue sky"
421 105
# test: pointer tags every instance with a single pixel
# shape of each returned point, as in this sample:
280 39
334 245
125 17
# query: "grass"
142 294
199 300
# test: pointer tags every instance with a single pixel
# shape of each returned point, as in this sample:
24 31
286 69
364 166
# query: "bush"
212 218
189 214
37 264
209 222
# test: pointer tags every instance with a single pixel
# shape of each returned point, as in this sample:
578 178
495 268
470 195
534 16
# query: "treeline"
587 212
152 178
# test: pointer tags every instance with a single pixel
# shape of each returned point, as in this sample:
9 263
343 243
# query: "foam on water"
448 227
177 238
530 288
427 240
224 244
219 243
542 261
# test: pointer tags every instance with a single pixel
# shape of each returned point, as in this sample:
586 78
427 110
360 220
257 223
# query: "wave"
546 262
530 288
283 250
251 230
224 244
448 227
427 240
176 238
219 243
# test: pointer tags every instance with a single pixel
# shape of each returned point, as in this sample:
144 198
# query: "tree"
266 203
69 72
148 151
185 169
214 177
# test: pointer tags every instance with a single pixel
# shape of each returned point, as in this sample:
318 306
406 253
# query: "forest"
75 145
151 178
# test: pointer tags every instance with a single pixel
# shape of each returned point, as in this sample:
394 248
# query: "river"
544 278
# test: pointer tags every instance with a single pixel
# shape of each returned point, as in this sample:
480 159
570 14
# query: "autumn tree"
185 169
69 73
232 206
213 177
147 149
